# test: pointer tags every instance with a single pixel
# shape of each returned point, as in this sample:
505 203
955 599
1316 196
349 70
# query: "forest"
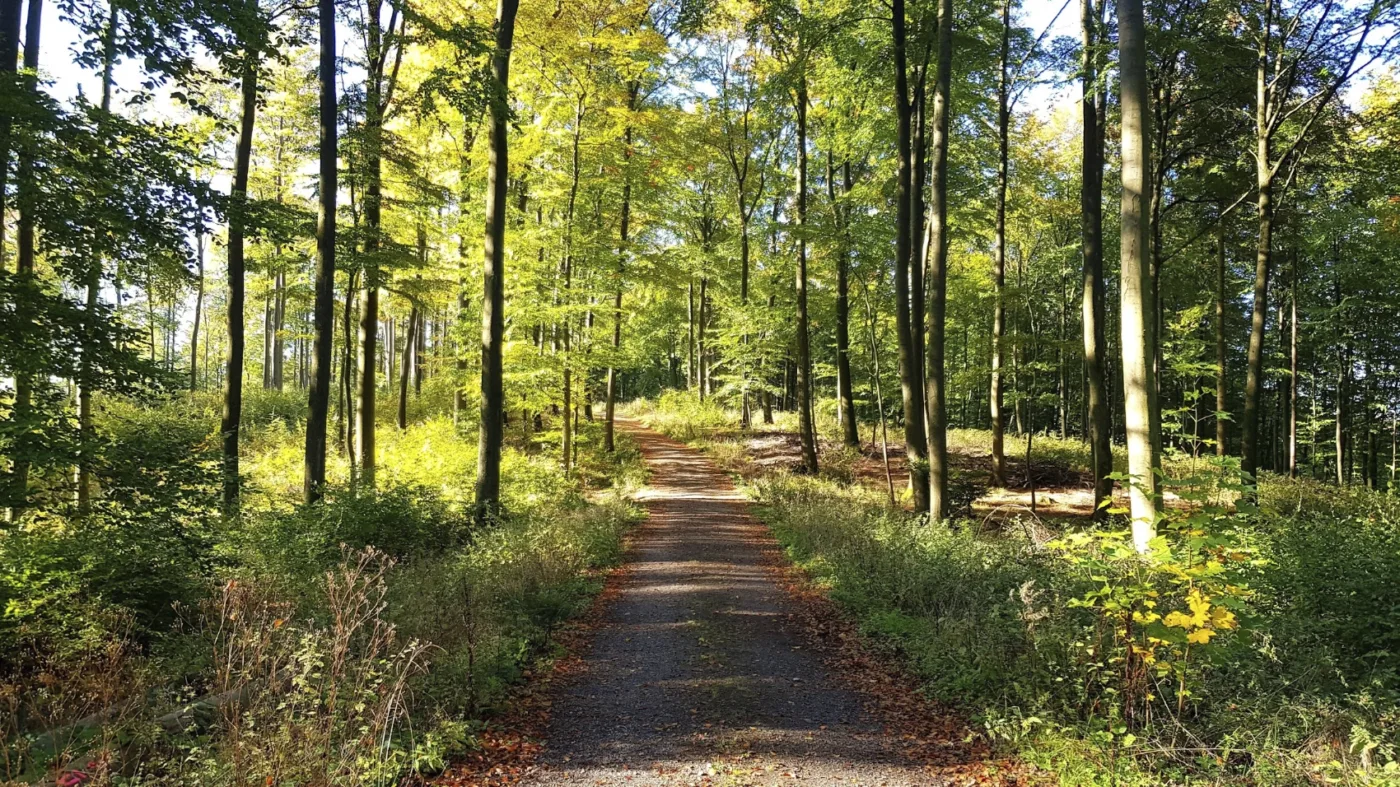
357 357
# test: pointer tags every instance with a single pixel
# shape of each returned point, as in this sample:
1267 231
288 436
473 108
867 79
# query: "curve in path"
695 674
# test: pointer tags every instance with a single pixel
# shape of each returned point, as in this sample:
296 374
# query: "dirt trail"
697 674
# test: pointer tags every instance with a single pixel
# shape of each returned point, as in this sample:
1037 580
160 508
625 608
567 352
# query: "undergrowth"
155 641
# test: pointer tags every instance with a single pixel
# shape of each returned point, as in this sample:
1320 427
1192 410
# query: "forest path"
698 673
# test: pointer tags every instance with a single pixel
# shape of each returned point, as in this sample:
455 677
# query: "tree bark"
488 464
845 399
406 369
318 397
1137 306
937 255
1221 369
233 382
198 305
279 316
1293 376
999 262
806 427
24 385
10 16
906 319
1094 316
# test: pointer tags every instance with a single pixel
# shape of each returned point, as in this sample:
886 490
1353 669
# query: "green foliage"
683 415
1235 632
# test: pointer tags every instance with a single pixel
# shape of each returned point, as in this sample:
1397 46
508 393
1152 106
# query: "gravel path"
695 675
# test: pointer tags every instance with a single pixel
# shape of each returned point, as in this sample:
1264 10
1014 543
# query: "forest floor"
710 660
1042 491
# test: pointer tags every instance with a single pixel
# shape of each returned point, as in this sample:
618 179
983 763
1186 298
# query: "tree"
488 463
1091 234
908 281
319 395
937 255
1305 54
1136 292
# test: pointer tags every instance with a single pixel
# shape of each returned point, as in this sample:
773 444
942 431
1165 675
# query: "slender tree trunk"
937 255
610 404
999 263
1137 306
24 385
691 379
406 370
313 487
1221 369
369 315
459 393
198 306
488 465
83 475
845 399
1094 317
233 383
279 324
806 427
702 378
879 393
568 271
910 377
1263 258
11 12
1293 376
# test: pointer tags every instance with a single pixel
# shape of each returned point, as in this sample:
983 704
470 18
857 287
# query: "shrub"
683 415
302 702
295 546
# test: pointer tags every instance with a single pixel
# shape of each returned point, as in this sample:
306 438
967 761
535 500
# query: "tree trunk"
1094 316
83 476
313 487
910 376
610 405
691 378
459 393
937 255
1263 255
568 272
279 316
1137 306
10 15
369 315
488 464
702 373
1221 369
24 385
806 427
999 263
233 383
846 406
1293 376
407 366
198 306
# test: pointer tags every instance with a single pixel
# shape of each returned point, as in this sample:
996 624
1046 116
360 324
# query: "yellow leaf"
1200 607
1177 620
1200 636
1222 618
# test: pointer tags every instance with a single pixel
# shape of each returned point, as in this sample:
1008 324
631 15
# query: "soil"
712 662
1048 492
